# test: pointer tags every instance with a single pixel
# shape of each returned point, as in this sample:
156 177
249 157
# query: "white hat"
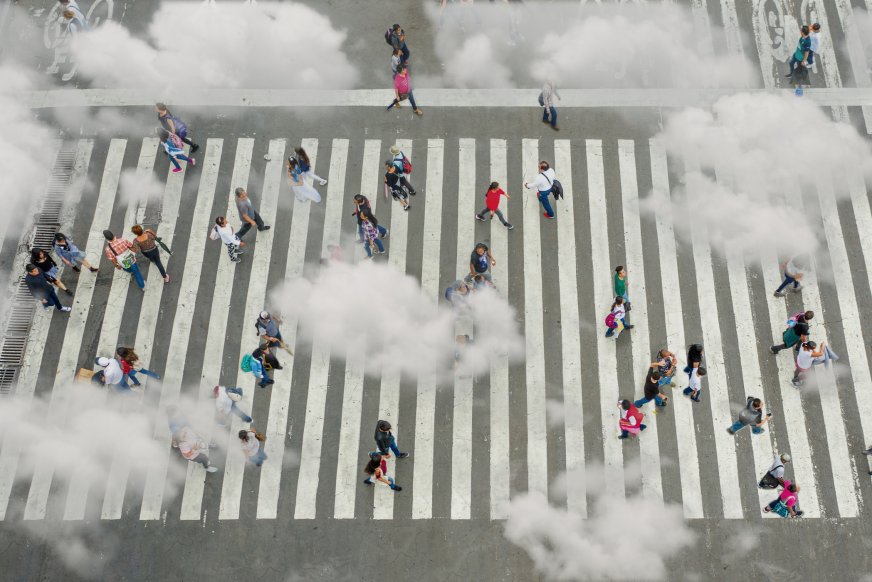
395 150
264 314
103 362
785 458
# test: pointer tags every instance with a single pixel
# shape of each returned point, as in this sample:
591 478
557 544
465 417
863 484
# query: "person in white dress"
302 191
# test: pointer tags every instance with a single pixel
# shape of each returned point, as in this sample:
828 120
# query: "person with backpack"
480 262
787 503
793 270
173 148
377 468
631 418
665 364
615 319
41 288
543 183
174 125
492 199
226 401
251 446
796 332
546 100
404 168
774 476
651 390
403 90
120 252
361 204
255 363
222 230
751 415
392 184
371 240
396 37
306 166
620 289
69 253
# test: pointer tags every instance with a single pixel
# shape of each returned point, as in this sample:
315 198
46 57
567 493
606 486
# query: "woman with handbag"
43 260
403 90
787 504
146 243
251 446
372 244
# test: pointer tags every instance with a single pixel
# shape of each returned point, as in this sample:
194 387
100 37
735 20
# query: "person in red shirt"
403 90
492 204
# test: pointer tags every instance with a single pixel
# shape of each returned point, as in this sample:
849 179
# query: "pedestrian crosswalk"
514 428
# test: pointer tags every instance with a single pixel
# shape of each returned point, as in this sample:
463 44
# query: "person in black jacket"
385 441
49 267
41 288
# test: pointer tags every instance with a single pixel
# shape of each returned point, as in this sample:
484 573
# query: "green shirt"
620 286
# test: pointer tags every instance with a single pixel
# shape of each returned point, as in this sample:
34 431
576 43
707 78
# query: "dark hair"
292 163
239 191
301 153
365 214
655 374
619 268
792 488
161 106
60 236
29 267
810 345
361 199
136 229
218 220
395 27
164 134
808 315
371 466
546 164
618 301
662 353
384 425
494 185
701 371
243 435
127 354
108 235
401 68
625 404
34 253
757 402
804 29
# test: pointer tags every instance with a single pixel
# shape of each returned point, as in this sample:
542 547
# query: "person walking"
775 473
492 204
615 321
120 252
398 42
369 226
377 468
787 503
222 230
69 253
403 90
396 61
404 168
630 422
306 167
42 289
145 242
751 415
796 332
651 391
267 327
392 184
111 375
173 124
174 151
546 100
543 183
480 262
247 214
302 191
385 441
251 446
47 265
130 365
255 363
458 293
695 384
793 270
226 401
665 364
805 358
361 203
620 289
694 359
799 59
193 447
814 44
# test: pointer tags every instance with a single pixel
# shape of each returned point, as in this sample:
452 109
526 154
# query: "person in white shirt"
815 43
805 358
398 158
695 386
549 114
543 183
793 273
192 446
226 399
112 374
224 231
251 446
774 476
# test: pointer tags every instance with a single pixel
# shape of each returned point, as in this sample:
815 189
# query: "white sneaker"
211 469
66 309
323 182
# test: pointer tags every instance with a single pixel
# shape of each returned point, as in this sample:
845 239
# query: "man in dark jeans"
41 288
385 441
247 213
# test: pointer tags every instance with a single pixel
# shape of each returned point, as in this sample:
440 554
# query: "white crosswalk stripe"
517 442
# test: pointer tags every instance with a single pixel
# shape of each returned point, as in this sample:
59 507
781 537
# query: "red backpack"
610 321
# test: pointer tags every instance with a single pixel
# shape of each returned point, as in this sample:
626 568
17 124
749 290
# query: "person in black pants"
42 289
146 243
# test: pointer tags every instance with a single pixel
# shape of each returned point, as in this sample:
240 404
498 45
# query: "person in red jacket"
631 419
492 204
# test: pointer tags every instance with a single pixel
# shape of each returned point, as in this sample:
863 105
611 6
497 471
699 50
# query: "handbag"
404 96
781 509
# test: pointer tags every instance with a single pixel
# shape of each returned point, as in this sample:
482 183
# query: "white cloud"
252 46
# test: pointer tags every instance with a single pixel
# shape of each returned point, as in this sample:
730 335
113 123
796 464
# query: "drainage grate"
46 223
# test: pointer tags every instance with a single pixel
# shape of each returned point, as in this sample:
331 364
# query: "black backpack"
769 481
388 36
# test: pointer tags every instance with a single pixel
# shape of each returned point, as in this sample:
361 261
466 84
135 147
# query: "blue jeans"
553 111
132 376
546 204
367 246
787 281
664 380
793 63
393 447
259 457
737 426
137 275
182 156
411 100
382 231
52 299
644 400
368 481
